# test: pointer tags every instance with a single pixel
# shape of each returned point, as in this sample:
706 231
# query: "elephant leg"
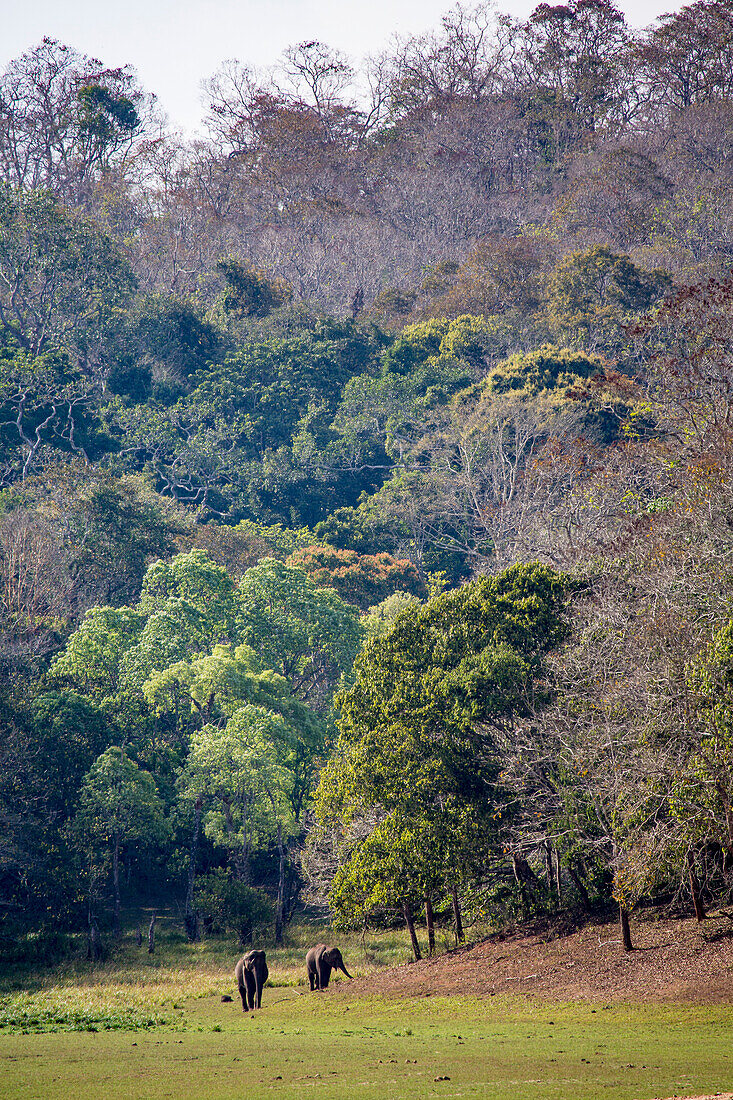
250 990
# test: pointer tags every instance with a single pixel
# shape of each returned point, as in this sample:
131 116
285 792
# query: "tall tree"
118 807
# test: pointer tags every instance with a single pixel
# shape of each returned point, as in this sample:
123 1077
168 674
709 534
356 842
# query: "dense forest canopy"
366 501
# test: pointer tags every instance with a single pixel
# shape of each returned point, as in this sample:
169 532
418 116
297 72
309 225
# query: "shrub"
227 905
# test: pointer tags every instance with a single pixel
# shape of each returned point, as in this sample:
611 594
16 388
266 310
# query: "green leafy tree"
118 807
63 281
242 769
249 293
592 294
416 727
226 904
252 436
92 658
48 409
306 633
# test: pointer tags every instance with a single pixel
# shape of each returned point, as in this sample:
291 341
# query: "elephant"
320 961
251 973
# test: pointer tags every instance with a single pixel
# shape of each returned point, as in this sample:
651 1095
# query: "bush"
226 905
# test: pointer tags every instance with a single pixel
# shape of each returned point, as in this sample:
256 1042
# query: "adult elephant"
320 961
251 973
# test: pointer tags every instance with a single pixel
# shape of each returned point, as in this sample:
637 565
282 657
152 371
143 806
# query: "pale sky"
175 44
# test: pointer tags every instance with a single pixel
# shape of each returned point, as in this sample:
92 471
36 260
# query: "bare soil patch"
672 960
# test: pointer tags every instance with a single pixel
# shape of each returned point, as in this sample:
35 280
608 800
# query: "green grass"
154 1027
374 1048
133 991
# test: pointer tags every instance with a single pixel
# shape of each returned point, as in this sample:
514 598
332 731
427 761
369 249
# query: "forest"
366 482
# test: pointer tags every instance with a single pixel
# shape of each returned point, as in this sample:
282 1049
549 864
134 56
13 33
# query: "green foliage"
104 116
118 803
92 657
248 435
63 280
71 733
206 588
305 632
380 619
423 366
246 774
226 905
593 294
118 810
415 731
548 368
163 343
249 293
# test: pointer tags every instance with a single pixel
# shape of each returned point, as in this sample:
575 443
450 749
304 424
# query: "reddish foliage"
361 579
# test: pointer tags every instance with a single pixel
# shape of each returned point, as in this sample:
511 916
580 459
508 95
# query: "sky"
175 44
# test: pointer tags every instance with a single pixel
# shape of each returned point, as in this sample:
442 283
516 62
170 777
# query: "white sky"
175 44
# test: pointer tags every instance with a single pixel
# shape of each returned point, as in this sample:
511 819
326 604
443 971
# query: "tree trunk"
460 936
411 929
139 938
558 876
579 886
245 873
430 923
280 887
625 929
190 918
151 936
549 872
116 881
695 888
526 880
94 942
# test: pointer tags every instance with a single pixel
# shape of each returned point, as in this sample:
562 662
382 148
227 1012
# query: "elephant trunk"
343 968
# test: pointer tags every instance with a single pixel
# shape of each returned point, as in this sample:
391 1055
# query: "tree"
686 56
418 732
250 293
499 275
306 633
118 807
577 54
243 769
63 281
594 293
65 121
460 61
360 579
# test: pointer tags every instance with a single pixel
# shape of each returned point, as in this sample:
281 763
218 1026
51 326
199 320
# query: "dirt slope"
671 960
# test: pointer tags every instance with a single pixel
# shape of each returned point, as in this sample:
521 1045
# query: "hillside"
673 960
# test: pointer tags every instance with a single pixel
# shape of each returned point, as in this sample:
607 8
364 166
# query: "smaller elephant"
320 961
251 973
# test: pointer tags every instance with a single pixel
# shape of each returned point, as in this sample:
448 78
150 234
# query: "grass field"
154 1026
